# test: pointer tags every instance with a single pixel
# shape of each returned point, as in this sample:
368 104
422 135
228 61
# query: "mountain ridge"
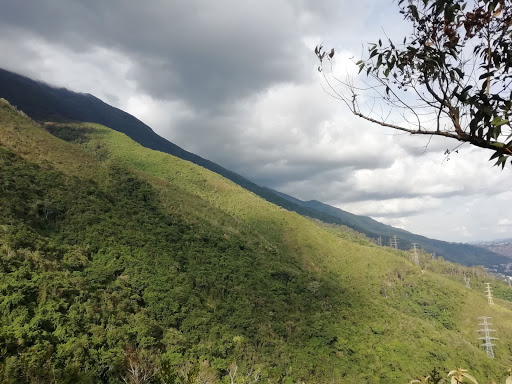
458 252
43 102
499 246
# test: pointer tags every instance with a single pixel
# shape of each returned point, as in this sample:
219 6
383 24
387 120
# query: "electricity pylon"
393 242
488 290
487 338
379 241
415 258
467 279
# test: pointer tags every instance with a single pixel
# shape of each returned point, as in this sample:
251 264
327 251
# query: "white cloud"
97 70
398 207
505 222
164 116
463 231
241 89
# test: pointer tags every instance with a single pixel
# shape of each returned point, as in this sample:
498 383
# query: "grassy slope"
371 316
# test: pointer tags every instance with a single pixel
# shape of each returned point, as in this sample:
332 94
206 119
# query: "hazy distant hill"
458 252
501 246
46 103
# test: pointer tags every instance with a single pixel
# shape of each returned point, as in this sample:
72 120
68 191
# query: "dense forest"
123 264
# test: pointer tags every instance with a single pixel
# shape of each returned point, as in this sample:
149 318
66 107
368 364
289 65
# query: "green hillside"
466 254
43 102
123 264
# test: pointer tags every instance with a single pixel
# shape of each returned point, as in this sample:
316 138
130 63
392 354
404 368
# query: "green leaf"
459 72
465 90
501 161
414 12
486 75
502 122
495 155
496 120
467 375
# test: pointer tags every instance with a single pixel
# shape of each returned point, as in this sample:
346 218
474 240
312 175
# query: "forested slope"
457 252
118 262
43 102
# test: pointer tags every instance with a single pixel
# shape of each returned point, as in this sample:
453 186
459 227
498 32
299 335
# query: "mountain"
43 102
118 262
501 246
456 252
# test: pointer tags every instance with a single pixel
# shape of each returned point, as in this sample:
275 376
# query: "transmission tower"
393 242
415 258
488 290
467 279
487 338
379 241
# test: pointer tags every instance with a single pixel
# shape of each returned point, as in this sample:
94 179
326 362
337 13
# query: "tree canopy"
451 76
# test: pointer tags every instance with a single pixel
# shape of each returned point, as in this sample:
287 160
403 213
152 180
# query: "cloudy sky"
236 82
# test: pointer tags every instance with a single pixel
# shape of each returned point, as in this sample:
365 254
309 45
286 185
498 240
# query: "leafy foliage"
461 375
457 63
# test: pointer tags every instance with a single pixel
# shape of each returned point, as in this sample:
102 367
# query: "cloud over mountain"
236 82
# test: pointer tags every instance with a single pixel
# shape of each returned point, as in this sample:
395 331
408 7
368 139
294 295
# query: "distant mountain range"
500 246
43 102
457 252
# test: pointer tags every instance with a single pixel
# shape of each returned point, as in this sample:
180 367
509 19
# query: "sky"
236 82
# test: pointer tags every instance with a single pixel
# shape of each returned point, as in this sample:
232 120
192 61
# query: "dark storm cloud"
275 154
205 52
